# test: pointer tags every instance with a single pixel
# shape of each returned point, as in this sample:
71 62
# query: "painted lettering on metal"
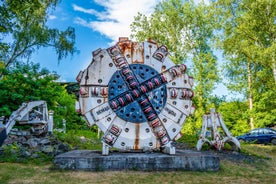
170 111
102 110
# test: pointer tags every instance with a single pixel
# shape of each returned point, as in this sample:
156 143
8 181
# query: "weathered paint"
133 79
214 121
137 136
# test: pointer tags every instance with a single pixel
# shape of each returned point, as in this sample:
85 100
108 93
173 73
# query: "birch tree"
23 30
249 33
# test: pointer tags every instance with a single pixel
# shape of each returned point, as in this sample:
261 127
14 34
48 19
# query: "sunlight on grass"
261 171
260 150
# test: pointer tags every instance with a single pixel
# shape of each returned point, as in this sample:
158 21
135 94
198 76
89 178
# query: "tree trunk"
250 95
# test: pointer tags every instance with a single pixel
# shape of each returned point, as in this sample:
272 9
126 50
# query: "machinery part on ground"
136 95
214 123
34 113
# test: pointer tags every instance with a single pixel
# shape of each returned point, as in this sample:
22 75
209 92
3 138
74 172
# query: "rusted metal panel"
136 95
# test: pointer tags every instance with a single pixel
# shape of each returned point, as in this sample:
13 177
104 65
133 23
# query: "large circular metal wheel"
136 95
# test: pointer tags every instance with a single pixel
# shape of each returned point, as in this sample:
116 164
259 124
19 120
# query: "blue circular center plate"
132 112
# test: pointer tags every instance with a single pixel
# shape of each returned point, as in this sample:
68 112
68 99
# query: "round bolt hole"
173 129
174 102
185 81
147 56
126 129
122 111
128 56
110 64
127 115
164 120
147 130
150 46
123 144
99 101
150 144
164 67
134 117
173 83
109 119
186 106
100 81
132 109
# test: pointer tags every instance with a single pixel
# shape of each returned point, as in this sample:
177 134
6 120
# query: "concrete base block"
88 160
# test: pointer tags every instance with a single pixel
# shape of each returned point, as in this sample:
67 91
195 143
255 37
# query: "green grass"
262 171
73 138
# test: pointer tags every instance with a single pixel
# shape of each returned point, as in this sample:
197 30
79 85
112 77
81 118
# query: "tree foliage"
27 82
23 30
248 32
188 30
234 116
245 32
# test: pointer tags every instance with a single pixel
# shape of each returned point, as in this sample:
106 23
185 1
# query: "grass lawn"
261 170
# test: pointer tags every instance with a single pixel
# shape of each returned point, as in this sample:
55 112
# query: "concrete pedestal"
94 161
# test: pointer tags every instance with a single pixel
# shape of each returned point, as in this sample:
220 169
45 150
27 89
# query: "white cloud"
115 20
52 17
88 11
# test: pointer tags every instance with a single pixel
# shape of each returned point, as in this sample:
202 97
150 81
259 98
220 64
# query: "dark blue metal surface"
137 93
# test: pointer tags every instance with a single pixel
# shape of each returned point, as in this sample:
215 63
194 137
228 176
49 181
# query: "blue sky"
98 24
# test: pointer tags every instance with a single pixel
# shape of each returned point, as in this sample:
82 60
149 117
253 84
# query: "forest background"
244 31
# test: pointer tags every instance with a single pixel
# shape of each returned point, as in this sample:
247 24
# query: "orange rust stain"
150 40
125 46
105 99
121 39
137 136
157 143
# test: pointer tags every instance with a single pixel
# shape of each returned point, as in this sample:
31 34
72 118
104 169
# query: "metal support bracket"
214 121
